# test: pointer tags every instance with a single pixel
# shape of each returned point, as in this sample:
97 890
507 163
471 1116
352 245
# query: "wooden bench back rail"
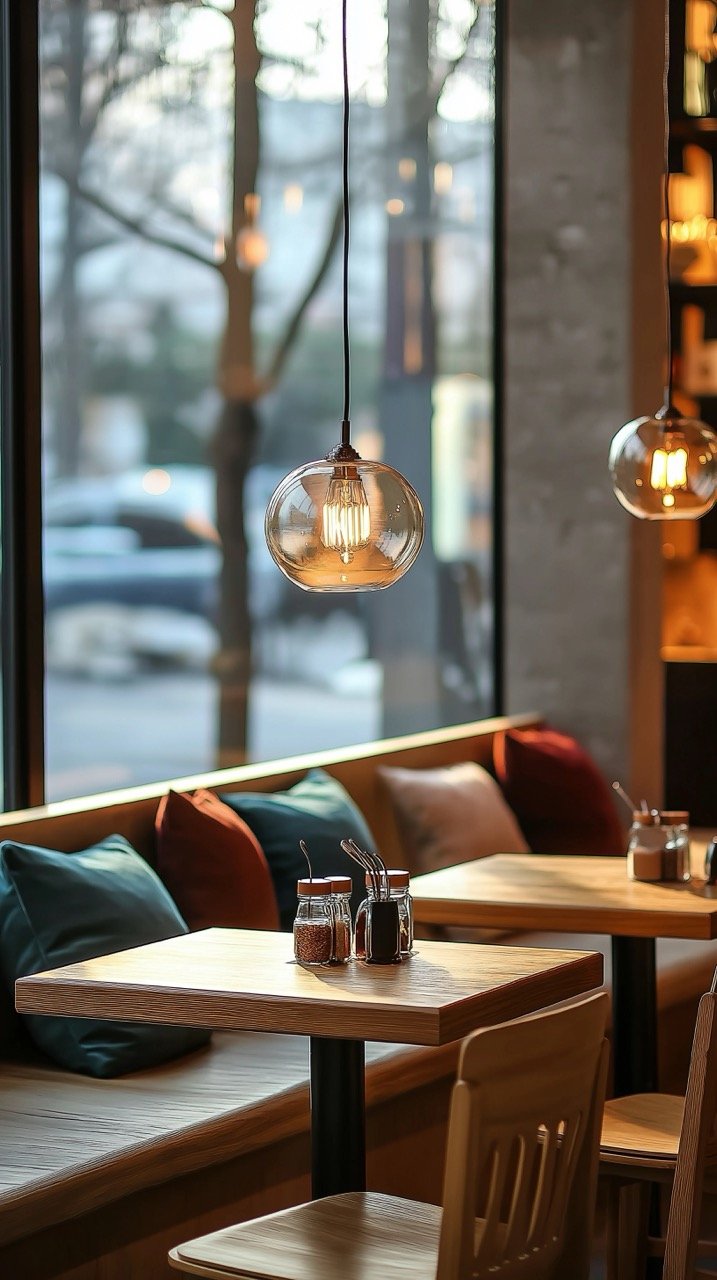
75 824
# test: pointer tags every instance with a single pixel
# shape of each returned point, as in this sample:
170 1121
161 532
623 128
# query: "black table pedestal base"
338 1117
634 1016
634 1030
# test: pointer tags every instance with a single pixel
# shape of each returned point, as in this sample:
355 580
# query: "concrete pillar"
575 562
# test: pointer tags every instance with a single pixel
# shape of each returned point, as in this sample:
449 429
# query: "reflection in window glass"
191 311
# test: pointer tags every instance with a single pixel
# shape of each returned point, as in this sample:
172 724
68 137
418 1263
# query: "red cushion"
212 864
555 789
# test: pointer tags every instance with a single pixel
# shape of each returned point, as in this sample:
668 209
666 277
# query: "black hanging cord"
666 199
345 426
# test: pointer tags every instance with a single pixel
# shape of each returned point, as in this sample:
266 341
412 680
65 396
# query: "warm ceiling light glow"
442 178
395 207
407 168
252 248
293 197
156 481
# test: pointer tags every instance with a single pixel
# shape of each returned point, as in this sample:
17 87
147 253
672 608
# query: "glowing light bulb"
669 469
665 467
344 524
346 516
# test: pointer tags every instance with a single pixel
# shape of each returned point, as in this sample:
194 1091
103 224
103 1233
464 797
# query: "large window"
190 299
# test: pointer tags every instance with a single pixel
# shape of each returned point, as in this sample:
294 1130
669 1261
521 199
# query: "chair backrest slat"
521 1162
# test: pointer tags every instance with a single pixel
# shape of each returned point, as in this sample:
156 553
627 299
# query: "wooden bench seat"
71 1145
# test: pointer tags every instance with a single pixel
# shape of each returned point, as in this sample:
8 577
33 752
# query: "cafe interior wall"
583 354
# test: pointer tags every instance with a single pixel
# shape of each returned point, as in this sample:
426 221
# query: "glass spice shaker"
341 888
360 923
314 923
645 846
676 856
399 882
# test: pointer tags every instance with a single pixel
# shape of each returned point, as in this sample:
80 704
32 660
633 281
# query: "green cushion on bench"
60 908
318 810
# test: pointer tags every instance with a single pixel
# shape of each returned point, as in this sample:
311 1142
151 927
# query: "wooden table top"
570 894
247 980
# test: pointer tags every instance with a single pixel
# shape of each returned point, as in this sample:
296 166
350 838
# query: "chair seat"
644 1127
358 1236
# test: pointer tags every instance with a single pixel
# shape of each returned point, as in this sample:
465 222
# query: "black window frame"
21 593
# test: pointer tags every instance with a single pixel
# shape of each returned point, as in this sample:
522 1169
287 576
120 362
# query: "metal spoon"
624 796
357 856
305 852
380 866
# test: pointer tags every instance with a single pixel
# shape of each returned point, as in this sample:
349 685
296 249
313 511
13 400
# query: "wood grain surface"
72 1144
366 1237
580 894
643 1127
246 980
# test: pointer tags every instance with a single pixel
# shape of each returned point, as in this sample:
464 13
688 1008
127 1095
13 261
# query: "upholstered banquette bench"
98 1178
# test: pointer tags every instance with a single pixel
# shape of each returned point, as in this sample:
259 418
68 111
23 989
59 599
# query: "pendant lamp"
341 523
664 466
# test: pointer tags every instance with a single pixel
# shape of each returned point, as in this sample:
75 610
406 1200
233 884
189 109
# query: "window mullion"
20 403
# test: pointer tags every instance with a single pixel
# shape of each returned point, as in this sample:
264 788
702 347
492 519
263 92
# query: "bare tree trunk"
237 429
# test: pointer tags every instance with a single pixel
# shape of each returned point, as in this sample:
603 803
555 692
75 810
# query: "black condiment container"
383 932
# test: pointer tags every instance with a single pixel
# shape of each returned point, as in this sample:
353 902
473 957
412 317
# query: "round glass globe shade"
665 467
344 526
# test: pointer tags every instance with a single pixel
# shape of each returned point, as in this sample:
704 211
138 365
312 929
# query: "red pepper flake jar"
341 887
314 923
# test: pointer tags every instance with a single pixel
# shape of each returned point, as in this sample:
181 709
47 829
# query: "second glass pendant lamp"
664 466
342 523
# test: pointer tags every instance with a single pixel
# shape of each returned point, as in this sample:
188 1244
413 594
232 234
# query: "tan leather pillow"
451 815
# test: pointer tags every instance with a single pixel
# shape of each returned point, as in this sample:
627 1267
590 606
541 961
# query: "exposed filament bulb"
346 516
668 472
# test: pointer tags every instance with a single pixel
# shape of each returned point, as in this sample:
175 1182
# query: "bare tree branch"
453 65
139 228
286 342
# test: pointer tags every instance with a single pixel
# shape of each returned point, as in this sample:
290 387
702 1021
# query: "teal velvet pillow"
321 812
59 908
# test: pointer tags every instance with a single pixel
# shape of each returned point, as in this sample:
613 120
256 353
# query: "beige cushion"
451 815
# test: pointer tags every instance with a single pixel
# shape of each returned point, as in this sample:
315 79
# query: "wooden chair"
650 1139
519 1186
